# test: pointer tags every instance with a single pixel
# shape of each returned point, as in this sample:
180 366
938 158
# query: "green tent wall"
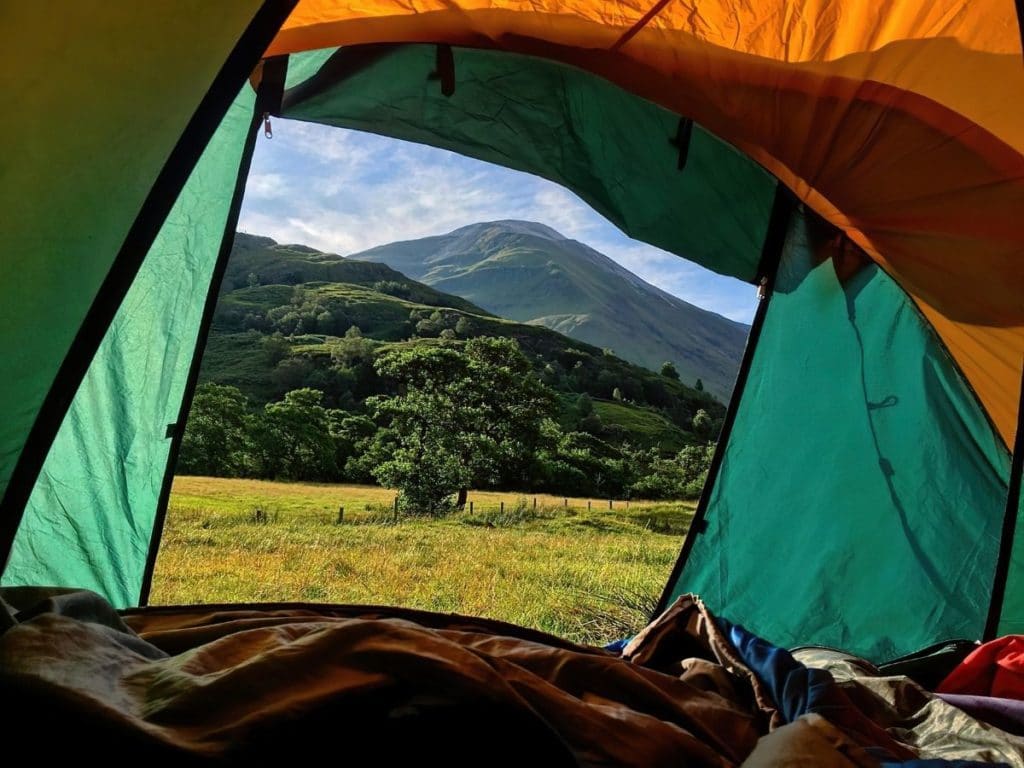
858 494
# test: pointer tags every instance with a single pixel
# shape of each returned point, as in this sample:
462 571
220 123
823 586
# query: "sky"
345 191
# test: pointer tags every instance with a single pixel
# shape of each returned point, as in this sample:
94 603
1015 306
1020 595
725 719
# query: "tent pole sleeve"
157 205
1010 514
268 99
771 254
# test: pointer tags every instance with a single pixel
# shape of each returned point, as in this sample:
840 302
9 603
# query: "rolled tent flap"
90 518
618 152
860 498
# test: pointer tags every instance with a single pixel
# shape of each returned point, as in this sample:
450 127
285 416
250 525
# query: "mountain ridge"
528 272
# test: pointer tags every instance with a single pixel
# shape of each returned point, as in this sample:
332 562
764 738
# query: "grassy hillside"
530 273
270 338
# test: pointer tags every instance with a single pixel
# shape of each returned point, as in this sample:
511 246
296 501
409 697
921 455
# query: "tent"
862 164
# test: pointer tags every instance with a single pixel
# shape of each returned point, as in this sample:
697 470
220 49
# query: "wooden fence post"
471 507
341 515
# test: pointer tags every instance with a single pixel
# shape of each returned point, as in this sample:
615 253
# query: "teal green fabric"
302 66
860 498
96 96
90 517
611 148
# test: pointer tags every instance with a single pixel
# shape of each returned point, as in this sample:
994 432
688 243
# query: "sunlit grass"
588 575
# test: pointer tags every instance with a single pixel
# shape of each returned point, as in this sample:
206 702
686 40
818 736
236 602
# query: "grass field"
590 576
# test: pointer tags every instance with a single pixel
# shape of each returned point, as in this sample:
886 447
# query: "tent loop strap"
630 33
681 141
444 69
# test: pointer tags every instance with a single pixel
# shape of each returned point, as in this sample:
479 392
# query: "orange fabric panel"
899 122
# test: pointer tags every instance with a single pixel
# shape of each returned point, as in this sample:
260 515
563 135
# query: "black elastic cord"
771 254
154 210
995 607
269 93
681 141
445 70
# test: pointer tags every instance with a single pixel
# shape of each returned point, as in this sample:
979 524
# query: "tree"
464 417
448 334
584 405
668 370
275 348
216 440
253 280
463 327
293 438
694 462
325 322
699 386
703 425
617 394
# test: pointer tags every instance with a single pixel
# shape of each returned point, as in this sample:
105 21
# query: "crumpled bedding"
993 669
264 685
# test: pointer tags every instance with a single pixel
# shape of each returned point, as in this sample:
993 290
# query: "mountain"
284 317
529 272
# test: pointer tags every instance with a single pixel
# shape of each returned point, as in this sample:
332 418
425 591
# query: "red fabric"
995 669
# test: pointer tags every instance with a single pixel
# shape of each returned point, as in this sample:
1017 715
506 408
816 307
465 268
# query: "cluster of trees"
452 416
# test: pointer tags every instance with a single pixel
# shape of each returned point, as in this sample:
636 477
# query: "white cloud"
345 191
266 186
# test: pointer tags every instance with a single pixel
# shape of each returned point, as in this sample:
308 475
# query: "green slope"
267 339
528 272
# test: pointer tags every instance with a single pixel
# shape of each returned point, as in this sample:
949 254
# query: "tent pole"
157 205
995 609
771 254
267 100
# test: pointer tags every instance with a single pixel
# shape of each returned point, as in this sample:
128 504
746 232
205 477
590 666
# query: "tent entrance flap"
859 502
90 518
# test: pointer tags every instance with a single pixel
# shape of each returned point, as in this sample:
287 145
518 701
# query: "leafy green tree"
464 417
703 424
275 349
353 349
293 439
592 424
464 327
584 405
325 322
448 334
694 462
216 440
253 280
668 370
617 394
699 386
291 373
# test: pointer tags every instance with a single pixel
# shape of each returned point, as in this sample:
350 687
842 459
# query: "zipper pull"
267 130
